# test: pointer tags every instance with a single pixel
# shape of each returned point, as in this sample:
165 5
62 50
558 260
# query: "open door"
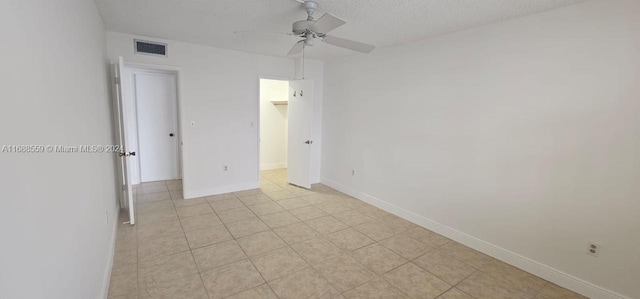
124 165
299 139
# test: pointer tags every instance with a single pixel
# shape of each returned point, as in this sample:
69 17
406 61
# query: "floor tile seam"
464 279
408 296
512 286
381 276
256 268
289 245
145 193
349 254
243 251
196 263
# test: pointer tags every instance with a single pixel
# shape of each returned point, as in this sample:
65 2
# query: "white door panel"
124 172
299 133
157 126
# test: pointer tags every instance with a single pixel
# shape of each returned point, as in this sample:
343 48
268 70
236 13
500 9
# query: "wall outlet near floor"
225 168
353 172
593 249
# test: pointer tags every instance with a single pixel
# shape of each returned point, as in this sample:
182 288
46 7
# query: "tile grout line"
191 249
289 246
467 277
381 276
245 253
349 253
175 253
189 246
271 229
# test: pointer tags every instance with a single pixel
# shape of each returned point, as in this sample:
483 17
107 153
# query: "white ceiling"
378 22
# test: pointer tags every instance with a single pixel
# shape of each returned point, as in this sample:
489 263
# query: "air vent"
150 48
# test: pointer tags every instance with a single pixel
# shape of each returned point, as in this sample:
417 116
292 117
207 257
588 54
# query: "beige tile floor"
281 241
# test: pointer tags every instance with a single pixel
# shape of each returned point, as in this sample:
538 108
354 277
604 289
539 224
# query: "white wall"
273 124
219 91
523 134
55 91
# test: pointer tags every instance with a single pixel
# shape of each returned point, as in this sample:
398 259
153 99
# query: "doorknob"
309 142
170 134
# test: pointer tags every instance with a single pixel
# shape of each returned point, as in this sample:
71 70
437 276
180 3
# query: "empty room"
320 149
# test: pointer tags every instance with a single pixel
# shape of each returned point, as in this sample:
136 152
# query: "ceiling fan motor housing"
304 26
301 27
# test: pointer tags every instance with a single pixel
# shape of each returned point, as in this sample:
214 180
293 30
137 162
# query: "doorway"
154 130
285 113
274 125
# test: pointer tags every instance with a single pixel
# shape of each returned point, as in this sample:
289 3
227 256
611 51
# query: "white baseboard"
111 254
273 166
220 190
544 271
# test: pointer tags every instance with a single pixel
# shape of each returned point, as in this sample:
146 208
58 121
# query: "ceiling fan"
311 29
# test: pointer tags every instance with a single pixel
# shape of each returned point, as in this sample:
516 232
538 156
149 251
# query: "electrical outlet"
225 168
353 172
593 249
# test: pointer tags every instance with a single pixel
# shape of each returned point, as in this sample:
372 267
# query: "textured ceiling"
378 22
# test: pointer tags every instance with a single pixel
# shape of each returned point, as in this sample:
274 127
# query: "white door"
124 171
299 137
156 107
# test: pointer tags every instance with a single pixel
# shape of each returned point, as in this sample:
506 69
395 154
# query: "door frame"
141 68
267 77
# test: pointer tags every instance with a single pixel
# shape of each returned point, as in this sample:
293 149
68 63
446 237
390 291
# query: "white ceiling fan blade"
297 48
263 32
348 44
326 23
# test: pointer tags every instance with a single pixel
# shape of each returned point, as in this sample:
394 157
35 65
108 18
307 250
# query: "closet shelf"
278 103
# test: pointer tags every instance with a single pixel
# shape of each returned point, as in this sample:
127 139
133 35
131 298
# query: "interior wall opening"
273 127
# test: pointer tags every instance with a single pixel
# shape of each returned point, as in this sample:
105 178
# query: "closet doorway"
286 112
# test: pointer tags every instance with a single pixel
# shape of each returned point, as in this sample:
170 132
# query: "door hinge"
117 80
